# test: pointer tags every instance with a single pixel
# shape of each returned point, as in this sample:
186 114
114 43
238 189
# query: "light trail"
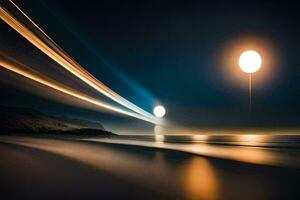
11 66
43 42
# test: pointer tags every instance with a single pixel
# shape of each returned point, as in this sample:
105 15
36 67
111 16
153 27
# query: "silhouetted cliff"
24 120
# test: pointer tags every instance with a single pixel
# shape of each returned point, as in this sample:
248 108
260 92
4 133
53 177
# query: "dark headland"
16 120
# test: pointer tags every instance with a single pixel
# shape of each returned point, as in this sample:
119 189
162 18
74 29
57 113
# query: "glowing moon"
250 61
159 111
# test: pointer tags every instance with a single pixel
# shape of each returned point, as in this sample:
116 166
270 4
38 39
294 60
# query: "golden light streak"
43 42
12 67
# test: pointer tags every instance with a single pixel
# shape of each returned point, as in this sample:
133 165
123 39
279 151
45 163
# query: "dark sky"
171 52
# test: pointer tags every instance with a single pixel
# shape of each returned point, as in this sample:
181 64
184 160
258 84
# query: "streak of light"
251 139
51 84
200 137
254 155
44 43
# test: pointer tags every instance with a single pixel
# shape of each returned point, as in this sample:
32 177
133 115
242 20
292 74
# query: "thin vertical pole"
250 92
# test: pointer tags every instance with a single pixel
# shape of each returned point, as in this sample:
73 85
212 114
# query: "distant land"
30 121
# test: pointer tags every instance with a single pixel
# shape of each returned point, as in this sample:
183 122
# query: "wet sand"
56 168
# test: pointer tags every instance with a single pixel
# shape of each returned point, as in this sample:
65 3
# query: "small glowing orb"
250 61
159 111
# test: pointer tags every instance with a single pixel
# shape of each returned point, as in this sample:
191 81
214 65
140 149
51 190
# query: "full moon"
159 111
250 61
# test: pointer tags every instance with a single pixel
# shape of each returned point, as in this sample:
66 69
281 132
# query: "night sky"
172 53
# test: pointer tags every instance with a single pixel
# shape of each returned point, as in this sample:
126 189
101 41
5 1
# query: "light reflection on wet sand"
199 179
247 154
172 174
192 178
